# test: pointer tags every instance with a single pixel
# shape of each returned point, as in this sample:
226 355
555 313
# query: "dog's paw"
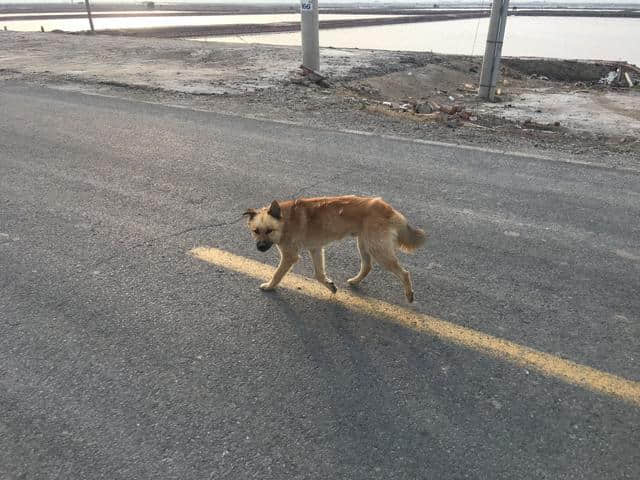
410 297
353 281
266 287
332 286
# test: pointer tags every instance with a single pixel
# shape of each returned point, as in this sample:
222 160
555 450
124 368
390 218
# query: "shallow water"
79 24
561 37
80 12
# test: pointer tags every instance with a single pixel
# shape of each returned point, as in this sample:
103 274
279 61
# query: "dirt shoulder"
418 95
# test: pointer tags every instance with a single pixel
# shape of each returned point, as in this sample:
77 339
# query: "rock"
424 108
532 125
300 81
451 109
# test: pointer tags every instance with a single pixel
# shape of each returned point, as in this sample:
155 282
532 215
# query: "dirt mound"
560 70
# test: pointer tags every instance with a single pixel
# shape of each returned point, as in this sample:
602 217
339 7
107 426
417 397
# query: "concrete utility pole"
86 2
493 52
310 35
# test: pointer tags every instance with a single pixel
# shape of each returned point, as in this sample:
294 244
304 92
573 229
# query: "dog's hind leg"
287 258
365 263
317 255
386 256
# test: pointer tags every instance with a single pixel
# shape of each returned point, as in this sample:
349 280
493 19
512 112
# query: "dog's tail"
410 238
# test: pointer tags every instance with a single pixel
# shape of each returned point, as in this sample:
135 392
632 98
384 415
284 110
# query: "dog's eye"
268 231
256 231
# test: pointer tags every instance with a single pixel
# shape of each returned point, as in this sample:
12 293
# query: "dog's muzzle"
263 245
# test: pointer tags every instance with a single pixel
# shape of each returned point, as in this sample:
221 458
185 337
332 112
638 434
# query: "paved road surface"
122 356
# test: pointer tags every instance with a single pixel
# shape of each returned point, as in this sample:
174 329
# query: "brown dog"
312 223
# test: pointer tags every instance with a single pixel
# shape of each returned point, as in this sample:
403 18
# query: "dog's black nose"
263 246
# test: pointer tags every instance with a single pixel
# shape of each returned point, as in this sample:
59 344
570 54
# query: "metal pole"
310 35
86 2
493 51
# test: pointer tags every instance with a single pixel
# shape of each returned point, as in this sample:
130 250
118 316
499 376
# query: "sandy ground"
605 113
171 65
368 88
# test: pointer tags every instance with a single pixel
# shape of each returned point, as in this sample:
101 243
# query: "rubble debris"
451 109
308 77
424 107
530 124
539 77
609 79
366 90
452 115
627 77
623 74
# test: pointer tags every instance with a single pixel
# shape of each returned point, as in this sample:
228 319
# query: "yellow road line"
545 363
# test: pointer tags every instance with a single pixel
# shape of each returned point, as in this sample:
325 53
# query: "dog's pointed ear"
251 212
274 210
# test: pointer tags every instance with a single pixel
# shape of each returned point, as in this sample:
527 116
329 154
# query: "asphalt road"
122 356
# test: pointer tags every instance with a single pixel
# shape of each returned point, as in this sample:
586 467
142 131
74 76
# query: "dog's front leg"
288 256
317 255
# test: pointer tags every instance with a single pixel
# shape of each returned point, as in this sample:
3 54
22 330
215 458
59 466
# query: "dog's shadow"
350 359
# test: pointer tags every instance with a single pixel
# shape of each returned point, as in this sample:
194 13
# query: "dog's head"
265 225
